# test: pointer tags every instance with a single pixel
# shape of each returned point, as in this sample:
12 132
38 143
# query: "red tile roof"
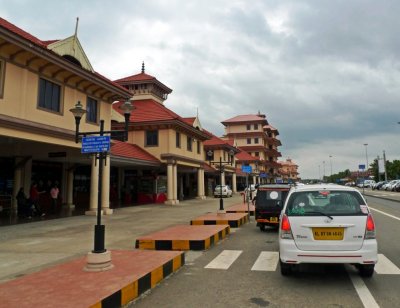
128 150
190 120
245 118
137 77
243 155
43 44
149 110
13 28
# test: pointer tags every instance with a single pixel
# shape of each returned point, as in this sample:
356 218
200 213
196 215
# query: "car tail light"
370 228
286 230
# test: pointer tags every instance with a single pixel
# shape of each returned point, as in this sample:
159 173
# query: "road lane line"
363 293
224 260
266 261
385 266
383 213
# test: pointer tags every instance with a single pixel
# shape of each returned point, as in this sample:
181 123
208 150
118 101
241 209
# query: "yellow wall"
20 100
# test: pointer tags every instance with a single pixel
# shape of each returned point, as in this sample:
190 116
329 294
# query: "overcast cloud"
325 73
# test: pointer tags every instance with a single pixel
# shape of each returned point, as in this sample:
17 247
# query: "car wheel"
286 269
366 270
262 227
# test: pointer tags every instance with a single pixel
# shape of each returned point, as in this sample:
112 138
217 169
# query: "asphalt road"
195 285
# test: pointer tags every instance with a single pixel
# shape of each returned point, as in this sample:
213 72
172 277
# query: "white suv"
327 224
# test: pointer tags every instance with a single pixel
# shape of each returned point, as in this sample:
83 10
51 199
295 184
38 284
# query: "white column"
200 183
254 179
175 177
105 191
170 185
234 183
70 188
222 178
94 186
203 190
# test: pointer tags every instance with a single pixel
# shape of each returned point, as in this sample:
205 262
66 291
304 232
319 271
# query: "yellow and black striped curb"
138 287
234 223
182 244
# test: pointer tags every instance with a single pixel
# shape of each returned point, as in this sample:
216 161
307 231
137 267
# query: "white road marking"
383 213
385 266
224 260
363 293
266 261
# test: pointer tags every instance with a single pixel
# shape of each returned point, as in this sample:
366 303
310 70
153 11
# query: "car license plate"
273 219
328 234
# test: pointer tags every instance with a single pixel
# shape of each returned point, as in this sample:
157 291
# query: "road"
244 282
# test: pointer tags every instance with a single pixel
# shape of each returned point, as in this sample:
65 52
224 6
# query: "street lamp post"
366 157
330 160
221 170
99 229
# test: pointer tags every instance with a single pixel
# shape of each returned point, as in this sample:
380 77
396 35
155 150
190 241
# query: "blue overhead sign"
246 169
95 144
361 167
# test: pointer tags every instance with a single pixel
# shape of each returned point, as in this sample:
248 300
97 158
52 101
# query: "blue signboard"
95 144
263 175
246 169
361 167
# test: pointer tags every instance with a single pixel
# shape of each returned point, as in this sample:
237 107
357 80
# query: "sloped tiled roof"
243 155
128 150
190 120
245 118
136 77
43 44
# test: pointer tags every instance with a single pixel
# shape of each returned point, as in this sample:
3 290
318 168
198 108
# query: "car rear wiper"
321 213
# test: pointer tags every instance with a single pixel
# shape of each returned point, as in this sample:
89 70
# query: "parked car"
327 224
389 186
222 190
379 185
269 203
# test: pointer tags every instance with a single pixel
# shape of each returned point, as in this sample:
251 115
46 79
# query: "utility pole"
384 165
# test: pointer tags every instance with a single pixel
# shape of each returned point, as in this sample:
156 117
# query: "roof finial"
76 26
197 112
143 67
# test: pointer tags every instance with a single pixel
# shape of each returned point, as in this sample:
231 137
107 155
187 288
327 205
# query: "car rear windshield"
271 198
335 203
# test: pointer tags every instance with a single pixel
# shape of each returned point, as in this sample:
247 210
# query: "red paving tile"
184 237
67 285
233 219
185 232
240 208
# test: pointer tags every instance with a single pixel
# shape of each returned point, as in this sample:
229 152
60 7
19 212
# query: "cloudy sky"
325 73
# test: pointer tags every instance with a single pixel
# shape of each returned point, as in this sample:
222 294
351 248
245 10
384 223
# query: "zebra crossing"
268 261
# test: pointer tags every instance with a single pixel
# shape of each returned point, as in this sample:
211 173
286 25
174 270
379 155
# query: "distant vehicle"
366 183
379 185
269 204
388 186
222 190
327 224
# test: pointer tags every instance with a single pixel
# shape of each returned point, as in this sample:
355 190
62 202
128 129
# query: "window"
49 95
198 147
178 139
151 138
91 110
189 143
248 126
255 126
256 140
248 140
2 74
257 154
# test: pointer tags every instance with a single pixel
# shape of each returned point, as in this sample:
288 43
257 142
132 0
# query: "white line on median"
383 213
385 266
224 260
363 293
266 261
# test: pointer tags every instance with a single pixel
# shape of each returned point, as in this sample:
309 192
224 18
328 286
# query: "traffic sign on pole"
95 144
246 169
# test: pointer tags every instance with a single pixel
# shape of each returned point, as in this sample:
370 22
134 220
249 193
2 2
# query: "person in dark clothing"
23 206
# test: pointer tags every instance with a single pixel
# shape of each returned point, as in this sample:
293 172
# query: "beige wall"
20 100
167 145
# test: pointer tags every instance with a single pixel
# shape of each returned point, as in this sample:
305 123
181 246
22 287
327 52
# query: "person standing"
23 209
54 191
34 199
